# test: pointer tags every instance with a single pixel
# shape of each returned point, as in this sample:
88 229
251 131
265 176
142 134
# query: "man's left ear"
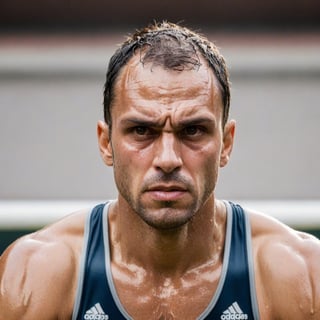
228 138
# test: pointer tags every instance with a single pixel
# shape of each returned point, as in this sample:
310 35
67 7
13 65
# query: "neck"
168 252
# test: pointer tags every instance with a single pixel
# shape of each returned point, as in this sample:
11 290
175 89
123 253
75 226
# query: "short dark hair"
172 47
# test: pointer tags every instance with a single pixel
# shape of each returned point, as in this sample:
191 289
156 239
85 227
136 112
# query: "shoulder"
287 269
38 271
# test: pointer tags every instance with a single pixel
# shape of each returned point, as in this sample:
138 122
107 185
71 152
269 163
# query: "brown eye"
141 130
142 133
191 131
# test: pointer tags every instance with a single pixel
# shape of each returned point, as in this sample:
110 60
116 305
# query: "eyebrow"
196 121
180 124
140 122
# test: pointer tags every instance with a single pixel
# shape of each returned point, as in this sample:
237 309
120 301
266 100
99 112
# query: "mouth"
166 192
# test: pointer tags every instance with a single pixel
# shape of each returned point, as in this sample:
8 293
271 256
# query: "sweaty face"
166 141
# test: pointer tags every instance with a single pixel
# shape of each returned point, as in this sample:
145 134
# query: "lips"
168 188
164 192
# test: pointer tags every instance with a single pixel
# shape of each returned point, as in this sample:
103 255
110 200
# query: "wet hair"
172 47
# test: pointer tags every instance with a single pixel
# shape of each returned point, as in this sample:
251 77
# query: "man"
166 248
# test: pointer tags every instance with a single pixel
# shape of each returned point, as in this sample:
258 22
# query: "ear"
104 141
228 138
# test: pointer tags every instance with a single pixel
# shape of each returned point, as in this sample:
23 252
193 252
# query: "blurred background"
53 58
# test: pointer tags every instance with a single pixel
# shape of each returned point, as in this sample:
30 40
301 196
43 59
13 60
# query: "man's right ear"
104 141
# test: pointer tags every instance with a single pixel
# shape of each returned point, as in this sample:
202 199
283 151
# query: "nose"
167 153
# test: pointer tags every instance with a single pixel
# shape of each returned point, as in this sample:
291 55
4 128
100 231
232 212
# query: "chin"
167 218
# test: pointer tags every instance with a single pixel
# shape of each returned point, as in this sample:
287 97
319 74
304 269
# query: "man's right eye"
140 130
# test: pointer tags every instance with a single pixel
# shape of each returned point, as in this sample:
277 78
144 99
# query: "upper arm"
289 266
36 280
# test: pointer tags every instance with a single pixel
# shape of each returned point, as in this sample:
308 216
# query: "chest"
153 297
125 292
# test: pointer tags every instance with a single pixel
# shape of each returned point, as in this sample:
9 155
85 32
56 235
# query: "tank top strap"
94 297
236 296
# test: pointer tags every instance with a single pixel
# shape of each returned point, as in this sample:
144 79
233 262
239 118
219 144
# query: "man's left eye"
192 130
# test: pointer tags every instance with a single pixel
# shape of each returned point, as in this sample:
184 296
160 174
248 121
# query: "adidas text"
96 317
234 317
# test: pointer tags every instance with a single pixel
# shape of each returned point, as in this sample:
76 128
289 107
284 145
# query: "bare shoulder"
38 272
287 269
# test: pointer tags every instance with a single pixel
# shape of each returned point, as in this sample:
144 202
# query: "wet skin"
166 145
167 229
167 141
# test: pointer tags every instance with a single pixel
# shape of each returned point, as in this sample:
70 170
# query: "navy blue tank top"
234 299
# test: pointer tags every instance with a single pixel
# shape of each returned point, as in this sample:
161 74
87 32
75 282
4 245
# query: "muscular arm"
38 277
289 274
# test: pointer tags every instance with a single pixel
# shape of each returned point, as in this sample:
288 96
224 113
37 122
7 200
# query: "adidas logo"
96 313
234 312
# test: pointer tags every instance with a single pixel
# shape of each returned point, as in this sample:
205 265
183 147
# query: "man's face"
167 141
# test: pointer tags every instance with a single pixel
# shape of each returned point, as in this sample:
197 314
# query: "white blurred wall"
51 99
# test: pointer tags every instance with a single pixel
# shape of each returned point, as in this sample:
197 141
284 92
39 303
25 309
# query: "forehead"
151 89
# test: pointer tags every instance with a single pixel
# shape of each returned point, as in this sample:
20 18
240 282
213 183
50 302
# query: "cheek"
209 177
205 159
130 152
128 163
204 167
209 170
